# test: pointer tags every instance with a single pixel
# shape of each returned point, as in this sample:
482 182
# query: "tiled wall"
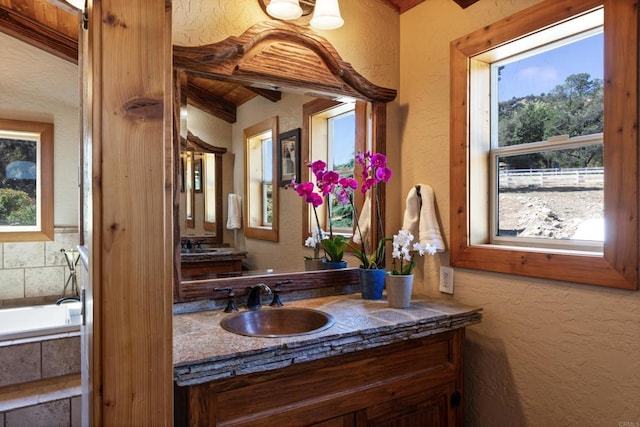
33 270
63 412
29 362
37 360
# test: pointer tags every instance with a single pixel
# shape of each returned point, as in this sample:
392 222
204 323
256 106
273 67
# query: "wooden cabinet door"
425 409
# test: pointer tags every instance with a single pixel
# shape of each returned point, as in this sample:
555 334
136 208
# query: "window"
511 152
267 181
546 157
188 159
260 199
26 181
212 175
341 151
333 139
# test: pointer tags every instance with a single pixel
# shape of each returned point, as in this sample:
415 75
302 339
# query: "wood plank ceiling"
53 25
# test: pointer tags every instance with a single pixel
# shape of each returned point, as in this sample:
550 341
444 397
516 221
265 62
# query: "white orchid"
401 244
314 241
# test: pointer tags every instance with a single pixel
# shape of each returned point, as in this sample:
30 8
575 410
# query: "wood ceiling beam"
465 3
38 35
402 6
271 95
193 143
215 106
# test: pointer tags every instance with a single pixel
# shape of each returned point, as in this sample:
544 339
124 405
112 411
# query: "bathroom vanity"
375 366
212 263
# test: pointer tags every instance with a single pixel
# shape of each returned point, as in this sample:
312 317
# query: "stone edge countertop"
203 351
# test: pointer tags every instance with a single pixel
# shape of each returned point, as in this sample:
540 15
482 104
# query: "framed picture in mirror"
288 156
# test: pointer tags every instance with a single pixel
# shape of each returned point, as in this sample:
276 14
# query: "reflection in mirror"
260 194
336 132
187 158
288 157
283 67
201 169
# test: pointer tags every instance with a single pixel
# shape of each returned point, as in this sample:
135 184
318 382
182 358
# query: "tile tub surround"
35 359
40 381
203 351
35 269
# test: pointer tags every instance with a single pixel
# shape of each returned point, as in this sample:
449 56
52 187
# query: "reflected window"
267 181
209 190
260 199
333 140
341 151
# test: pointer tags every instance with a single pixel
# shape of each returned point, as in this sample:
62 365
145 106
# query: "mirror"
199 183
312 71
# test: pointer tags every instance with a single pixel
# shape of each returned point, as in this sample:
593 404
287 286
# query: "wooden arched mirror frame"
270 56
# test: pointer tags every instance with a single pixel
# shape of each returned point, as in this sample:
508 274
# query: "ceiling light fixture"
78 4
284 9
326 13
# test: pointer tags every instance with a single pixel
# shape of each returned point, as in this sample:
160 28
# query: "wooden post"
128 224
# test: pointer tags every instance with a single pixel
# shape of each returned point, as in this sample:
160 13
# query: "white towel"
364 221
234 212
420 216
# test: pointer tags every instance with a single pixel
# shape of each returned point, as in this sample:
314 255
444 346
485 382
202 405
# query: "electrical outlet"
446 280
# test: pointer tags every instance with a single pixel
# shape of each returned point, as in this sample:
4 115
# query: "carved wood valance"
193 143
275 54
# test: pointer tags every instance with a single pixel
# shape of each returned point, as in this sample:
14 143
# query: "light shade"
326 15
78 4
284 9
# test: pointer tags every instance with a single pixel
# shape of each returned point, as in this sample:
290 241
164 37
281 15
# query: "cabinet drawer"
317 391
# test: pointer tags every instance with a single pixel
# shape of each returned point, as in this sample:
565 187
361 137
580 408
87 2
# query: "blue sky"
344 144
541 73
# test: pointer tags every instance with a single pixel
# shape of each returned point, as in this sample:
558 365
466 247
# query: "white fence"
569 177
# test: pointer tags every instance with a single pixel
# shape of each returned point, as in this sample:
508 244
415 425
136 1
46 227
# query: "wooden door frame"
127 131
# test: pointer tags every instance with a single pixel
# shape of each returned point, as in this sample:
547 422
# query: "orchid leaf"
334 247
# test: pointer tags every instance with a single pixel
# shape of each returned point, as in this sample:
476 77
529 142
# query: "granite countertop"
203 351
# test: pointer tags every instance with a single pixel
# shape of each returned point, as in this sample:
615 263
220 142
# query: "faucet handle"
276 302
231 302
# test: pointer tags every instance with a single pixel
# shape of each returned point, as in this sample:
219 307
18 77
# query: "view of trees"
574 108
342 215
17 192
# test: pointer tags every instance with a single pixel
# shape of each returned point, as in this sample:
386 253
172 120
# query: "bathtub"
26 322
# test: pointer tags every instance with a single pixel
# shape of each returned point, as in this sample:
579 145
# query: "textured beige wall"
546 353
369 40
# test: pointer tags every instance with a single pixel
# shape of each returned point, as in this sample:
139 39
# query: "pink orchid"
383 174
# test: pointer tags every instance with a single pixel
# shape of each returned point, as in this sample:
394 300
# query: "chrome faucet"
253 301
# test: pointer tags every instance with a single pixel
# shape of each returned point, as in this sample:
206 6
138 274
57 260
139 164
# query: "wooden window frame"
43 132
617 265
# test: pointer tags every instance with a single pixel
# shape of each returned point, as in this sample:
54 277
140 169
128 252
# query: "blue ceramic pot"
372 282
333 265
